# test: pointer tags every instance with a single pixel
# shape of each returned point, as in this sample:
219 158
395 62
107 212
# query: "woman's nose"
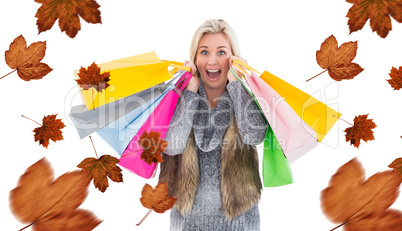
212 60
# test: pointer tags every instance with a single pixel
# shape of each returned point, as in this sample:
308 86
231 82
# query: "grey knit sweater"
209 127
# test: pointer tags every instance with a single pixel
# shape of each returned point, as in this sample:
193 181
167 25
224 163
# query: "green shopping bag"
275 167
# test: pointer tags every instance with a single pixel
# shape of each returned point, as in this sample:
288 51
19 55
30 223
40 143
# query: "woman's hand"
231 77
194 83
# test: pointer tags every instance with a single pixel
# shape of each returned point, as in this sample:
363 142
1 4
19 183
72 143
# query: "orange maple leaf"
397 166
355 202
67 12
378 12
48 204
26 61
92 77
157 199
396 78
100 169
361 129
338 61
152 147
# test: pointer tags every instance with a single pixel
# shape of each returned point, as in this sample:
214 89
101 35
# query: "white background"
279 36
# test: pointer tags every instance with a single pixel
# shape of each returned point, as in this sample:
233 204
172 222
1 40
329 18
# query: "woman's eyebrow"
222 47
202 47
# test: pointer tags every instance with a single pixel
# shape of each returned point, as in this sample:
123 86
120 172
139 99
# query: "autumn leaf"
338 61
361 130
355 202
26 61
152 147
397 166
156 199
91 77
100 169
67 13
378 12
396 78
48 204
50 129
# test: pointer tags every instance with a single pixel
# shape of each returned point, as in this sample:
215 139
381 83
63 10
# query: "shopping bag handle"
176 66
238 64
183 81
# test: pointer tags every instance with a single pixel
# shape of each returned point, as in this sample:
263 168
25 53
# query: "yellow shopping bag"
313 112
129 76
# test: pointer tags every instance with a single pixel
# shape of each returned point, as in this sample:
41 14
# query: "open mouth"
213 73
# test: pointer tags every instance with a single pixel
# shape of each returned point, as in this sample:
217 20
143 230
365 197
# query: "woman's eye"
221 53
204 52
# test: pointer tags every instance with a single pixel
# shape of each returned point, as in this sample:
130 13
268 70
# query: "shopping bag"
87 121
158 121
313 112
275 166
297 138
119 133
128 76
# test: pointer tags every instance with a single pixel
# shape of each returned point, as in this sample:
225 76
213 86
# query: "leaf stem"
343 120
338 226
8 74
31 120
132 152
316 75
146 215
27 226
94 147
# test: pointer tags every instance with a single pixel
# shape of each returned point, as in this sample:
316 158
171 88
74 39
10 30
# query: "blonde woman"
211 163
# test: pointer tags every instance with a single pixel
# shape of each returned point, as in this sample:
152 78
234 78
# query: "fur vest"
240 182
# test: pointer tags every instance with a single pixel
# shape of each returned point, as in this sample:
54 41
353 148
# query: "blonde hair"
214 26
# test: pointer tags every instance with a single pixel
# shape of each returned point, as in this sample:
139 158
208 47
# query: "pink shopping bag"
158 121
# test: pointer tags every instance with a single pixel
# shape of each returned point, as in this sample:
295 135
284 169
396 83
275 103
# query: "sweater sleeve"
249 118
181 123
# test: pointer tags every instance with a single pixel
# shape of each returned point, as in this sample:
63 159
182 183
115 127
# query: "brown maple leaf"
67 12
92 77
48 204
378 12
396 78
338 61
152 147
26 60
397 166
50 130
353 201
361 130
100 169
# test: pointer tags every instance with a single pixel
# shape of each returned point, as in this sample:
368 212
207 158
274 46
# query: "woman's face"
213 54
